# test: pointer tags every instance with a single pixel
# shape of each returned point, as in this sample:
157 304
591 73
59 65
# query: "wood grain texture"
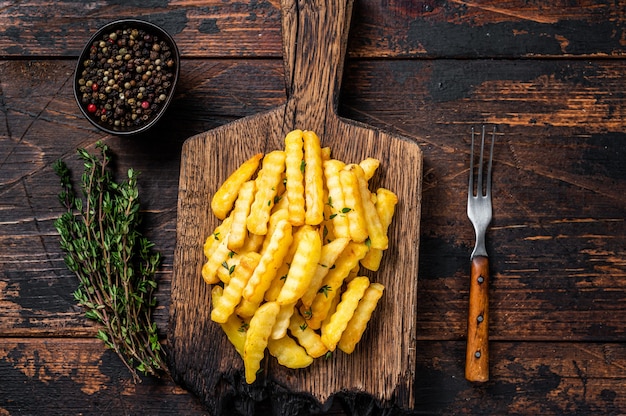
400 28
557 240
202 358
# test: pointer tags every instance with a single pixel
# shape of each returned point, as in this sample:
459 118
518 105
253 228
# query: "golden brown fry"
294 173
239 230
224 198
369 167
306 336
336 201
226 304
357 325
256 340
228 267
325 154
281 214
289 353
377 233
282 321
332 283
313 179
328 255
235 328
219 256
353 207
253 242
302 266
386 201
270 261
218 234
345 310
267 183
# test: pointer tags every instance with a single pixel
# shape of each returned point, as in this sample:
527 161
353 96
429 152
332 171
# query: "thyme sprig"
114 263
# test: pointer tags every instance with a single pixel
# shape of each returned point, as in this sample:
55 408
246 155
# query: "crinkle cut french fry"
223 200
328 255
239 230
325 153
377 233
294 174
226 304
253 242
228 267
256 340
335 201
333 282
344 312
306 336
280 214
271 294
386 201
372 259
313 179
369 166
235 328
265 272
362 315
267 183
218 234
288 353
353 206
302 266
331 310
219 256
282 321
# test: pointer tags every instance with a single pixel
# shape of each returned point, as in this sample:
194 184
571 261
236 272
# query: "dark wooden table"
550 75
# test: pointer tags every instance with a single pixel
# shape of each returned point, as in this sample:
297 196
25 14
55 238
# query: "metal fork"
479 211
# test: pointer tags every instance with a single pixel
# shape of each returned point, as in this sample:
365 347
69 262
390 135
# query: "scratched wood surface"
551 75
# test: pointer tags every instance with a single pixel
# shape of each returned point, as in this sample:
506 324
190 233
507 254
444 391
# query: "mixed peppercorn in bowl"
126 76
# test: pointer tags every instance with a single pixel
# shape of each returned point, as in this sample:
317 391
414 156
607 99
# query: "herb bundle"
114 263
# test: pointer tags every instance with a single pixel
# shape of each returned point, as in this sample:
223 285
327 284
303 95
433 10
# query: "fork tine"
470 191
493 139
479 182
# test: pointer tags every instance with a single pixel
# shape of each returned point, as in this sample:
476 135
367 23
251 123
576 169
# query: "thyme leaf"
115 264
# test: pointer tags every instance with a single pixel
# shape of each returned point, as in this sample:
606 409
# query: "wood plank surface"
202 358
550 75
213 28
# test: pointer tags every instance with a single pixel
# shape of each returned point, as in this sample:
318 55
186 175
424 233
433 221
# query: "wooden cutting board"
383 365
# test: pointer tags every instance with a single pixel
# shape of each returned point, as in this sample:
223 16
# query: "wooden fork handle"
477 353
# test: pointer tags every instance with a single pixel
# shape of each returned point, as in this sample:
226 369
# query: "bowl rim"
84 53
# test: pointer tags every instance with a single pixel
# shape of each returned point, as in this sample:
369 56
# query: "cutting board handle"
315 34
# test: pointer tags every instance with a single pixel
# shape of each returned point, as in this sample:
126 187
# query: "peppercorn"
126 78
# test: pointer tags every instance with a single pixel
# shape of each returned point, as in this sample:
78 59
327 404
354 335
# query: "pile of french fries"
296 228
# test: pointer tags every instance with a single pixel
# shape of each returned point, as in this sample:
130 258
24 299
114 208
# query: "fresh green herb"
302 165
114 263
244 327
304 326
345 210
332 216
307 314
325 289
228 267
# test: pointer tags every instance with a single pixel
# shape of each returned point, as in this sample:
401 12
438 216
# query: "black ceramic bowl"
126 76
